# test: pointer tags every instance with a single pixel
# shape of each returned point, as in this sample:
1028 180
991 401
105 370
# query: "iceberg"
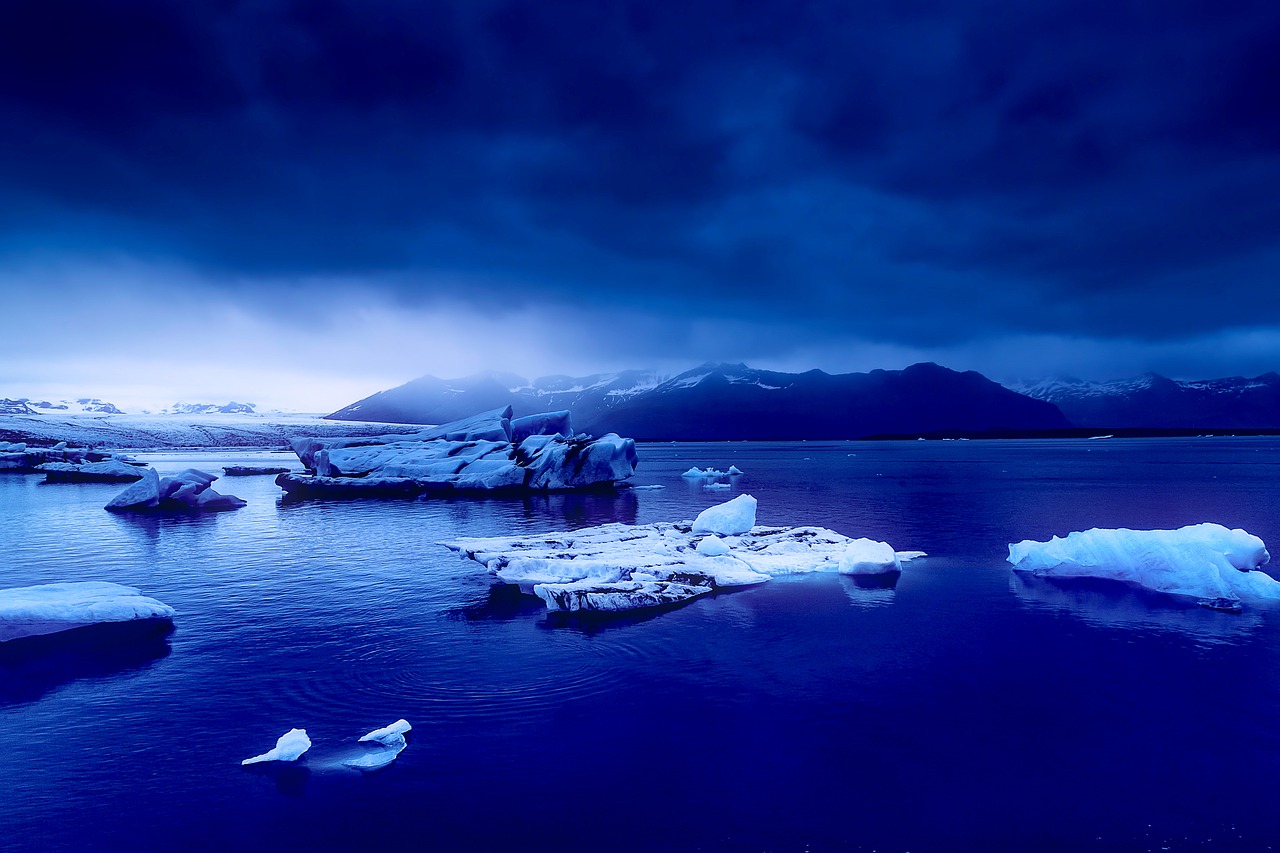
30 611
184 492
727 519
622 567
290 747
1208 562
486 452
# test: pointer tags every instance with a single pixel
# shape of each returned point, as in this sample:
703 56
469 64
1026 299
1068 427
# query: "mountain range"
722 402
1152 401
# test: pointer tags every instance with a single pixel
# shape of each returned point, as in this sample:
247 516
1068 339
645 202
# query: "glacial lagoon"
963 707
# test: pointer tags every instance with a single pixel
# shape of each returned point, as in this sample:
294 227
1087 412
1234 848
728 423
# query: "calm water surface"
962 710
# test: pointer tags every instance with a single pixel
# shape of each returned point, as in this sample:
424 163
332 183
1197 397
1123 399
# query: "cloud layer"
927 177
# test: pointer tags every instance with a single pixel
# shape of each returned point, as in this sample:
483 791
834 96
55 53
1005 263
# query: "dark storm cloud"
949 169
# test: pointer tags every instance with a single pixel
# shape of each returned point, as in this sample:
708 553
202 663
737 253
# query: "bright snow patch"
727 519
290 747
1204 561
29 611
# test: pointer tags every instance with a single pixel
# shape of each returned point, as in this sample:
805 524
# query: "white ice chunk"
398 728
712 546
727 519
188 490
868 557
1204 561
290 747
29 611
376 759
734 471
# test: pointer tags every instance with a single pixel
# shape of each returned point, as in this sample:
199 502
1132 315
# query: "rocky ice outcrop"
30 611
1207 562
486 452
185 492
618 567
21 456
290 747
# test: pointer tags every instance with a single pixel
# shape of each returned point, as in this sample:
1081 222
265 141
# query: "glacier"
485 452
621 567
183 492
30 611
1207 562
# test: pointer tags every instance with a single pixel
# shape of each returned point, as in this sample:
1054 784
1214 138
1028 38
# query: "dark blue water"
962 710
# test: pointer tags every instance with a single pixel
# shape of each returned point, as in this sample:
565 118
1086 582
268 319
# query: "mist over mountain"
720 402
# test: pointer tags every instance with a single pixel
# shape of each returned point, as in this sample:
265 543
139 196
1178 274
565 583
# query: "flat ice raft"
486 452
618 567
1207 562
31 611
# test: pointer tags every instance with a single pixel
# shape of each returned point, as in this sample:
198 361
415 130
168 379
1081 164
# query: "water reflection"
147 528
34 666
870 590
1111 604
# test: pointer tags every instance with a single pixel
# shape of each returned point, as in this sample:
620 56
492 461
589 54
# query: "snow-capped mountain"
728 402
79 406
1154 401
231 408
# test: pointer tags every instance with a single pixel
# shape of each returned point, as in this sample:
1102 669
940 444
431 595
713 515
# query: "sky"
301 203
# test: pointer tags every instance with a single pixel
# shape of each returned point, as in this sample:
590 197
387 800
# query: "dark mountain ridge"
720 402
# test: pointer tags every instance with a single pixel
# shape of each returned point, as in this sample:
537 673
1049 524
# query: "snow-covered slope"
1154 401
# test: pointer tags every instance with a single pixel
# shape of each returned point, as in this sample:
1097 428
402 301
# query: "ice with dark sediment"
620 567
485 452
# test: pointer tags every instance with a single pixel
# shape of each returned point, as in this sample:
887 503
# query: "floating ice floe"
184 492
486 452
20 456
388 742
619 567
696 473
106 471
290 747
30 611
1215 566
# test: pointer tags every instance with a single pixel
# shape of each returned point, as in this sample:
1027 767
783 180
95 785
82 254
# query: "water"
961 710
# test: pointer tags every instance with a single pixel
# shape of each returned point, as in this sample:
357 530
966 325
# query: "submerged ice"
1208 562
619 567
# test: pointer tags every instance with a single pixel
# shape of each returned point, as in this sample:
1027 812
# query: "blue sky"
302 203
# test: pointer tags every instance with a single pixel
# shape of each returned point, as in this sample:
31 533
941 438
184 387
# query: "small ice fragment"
734 471
289 747
387 733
